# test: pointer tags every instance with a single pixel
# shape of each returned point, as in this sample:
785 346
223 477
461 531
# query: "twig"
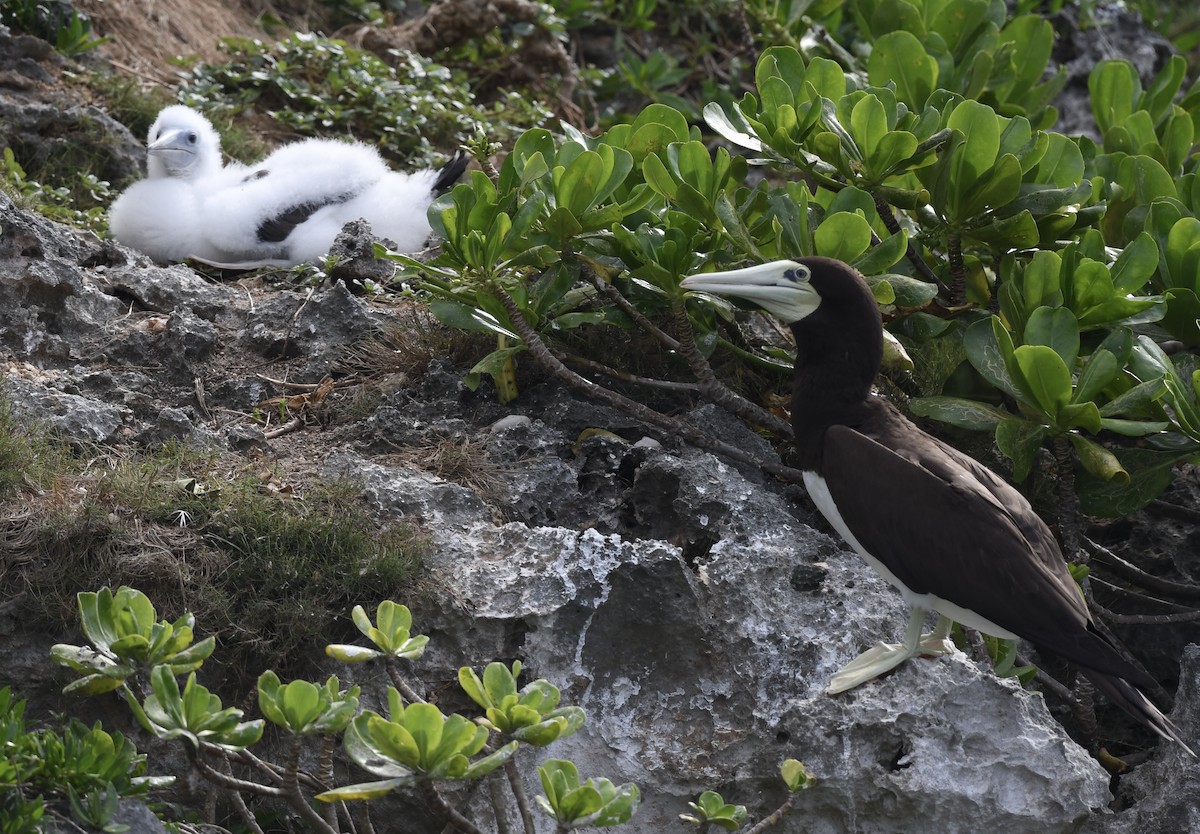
229 781
456 819
777 815
1174 511
626 307
625 376
291 788
240 804
325 775
884 208
541 354
1139 597
1146 619
1068 508
1100 622
1049 683
518 792
499 808
201 400
839 52
283 383
401 685
713 388
958 269
1127 570
294 424
249 758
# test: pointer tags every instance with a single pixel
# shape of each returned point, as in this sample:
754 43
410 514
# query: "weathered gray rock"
42 124
315 328
1164 793
1113 31
410 494
710 673
77 417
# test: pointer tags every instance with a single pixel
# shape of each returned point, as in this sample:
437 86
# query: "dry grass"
271 575
405 348
148 36
462 460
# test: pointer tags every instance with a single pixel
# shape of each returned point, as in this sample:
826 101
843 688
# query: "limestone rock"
1164 793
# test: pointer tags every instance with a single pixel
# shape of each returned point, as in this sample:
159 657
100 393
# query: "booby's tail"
1125 695
449 173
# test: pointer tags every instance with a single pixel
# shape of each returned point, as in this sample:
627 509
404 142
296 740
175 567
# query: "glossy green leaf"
795 775
1041 284
1057 329
980 127
392 739
733 128
1100 370
485 765
1046 377
1182 318
899 57
1097 460
1020 440
577 189
1135 265
301 703
994 190
989 349
1113 86
957 411
844 236
363 790
1150 473
882 256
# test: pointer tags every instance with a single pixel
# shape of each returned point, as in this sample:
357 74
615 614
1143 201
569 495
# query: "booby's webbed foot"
870 664
887 656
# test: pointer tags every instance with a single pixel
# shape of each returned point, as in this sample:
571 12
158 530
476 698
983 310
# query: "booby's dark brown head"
831 311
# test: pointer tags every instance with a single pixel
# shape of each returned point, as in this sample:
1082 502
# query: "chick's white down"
284 210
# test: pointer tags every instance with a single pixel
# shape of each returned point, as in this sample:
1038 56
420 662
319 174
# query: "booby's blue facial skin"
797 274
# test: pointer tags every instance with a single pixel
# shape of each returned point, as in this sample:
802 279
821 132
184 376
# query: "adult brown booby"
945 530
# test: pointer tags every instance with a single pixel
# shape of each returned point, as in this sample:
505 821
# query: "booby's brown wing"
942 530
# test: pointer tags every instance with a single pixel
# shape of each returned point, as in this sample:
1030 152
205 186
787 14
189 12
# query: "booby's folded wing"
941 531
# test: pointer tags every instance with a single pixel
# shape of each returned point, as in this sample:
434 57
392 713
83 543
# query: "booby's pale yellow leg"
887 656
938 642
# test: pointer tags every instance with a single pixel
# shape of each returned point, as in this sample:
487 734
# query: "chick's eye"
191 138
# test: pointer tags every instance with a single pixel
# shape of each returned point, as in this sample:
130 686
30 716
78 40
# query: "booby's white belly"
818 490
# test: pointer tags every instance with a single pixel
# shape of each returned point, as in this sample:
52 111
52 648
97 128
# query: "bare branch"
775 817
1100 621
541 354
1127 570
393 669
713 388
518 791
626 307
624 376
456 819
